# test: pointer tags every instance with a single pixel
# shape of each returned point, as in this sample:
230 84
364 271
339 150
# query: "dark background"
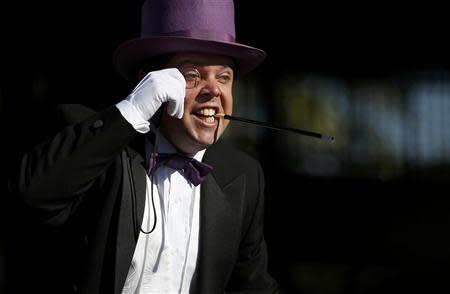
349 232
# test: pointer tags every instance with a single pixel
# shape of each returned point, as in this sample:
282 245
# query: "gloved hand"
157 87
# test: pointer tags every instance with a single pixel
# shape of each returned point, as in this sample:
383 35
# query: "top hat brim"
131 55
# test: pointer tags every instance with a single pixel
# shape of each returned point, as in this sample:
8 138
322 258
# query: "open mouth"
206 114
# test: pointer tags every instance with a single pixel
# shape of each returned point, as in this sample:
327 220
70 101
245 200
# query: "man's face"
208 91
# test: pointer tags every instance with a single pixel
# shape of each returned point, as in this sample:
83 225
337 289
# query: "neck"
179 144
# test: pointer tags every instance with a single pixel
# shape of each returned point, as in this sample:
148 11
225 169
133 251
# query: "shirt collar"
164 146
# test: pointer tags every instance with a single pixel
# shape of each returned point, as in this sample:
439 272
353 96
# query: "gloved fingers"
167 77
176 74
158 87
176 93
175 108
175 103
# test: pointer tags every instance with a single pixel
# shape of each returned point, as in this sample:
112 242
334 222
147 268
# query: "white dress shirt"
165 260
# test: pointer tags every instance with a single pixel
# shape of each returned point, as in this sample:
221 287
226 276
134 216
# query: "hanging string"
151 175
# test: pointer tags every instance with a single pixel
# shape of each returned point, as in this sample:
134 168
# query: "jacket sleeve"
250 274
51 176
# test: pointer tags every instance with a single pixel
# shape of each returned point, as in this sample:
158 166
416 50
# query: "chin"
203 141
202 144
210 137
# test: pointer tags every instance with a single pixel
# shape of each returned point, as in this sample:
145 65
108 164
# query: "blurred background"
368 213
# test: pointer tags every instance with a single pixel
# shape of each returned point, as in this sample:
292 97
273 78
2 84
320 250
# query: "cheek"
188 101
227 103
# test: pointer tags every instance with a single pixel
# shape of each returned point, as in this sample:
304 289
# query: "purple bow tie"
192 169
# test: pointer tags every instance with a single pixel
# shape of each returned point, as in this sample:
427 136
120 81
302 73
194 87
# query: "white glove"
157 87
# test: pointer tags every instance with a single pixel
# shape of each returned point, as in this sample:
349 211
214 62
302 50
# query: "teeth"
207 111
209 119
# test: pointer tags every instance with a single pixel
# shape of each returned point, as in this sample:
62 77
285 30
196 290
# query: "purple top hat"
170 26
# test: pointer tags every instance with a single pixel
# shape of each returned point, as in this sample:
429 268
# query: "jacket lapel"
220 215
131 212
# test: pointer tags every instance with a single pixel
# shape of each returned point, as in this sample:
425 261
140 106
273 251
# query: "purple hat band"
171 26
203 35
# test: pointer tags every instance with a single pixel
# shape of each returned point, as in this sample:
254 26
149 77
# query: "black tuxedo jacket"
83 193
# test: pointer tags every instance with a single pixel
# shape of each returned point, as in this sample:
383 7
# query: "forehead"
201 59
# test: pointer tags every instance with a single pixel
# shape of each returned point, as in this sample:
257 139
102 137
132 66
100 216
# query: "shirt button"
97 124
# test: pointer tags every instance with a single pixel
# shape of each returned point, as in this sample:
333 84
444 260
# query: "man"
122 215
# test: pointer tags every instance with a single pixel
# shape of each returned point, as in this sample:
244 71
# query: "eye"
192 77
225 78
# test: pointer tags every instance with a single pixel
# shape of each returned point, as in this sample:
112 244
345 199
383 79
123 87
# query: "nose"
211 88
